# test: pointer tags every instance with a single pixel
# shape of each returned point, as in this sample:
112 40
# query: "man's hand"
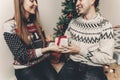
71 49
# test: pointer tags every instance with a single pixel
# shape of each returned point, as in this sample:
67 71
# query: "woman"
24 37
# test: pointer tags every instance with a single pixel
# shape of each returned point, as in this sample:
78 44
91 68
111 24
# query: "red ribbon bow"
59 39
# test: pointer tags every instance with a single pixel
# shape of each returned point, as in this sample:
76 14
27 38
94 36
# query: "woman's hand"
52 47
55 48
71 49
49 38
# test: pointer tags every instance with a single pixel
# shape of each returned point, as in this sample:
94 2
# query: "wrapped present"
61 41
117 57
57 57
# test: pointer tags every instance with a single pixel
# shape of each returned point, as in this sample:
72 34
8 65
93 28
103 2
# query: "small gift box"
61 41
117 57
57 57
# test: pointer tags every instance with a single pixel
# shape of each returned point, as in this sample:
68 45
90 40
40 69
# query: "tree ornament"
70 15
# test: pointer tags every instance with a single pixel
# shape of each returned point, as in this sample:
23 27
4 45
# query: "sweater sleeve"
103 54
67 32
19 49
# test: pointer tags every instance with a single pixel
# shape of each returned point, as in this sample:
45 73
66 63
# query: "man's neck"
90 14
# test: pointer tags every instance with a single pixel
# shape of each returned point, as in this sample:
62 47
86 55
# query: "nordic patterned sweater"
24 55
94 38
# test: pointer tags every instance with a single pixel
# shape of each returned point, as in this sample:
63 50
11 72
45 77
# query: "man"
91 43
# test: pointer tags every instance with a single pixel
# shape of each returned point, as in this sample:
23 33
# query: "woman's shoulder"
9 26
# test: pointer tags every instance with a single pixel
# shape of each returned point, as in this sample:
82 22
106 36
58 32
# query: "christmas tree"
68 13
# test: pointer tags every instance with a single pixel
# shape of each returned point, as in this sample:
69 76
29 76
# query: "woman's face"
29 7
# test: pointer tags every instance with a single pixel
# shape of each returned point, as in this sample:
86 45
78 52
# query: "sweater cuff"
38 52
84 52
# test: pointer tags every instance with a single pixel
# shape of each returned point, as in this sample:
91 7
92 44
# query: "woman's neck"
27 16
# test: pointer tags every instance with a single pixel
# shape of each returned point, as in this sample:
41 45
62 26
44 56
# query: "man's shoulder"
105 22
75 20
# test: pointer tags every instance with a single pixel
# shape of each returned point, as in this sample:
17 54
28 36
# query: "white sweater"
94 38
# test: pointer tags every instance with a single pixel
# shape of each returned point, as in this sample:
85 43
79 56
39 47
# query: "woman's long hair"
21 22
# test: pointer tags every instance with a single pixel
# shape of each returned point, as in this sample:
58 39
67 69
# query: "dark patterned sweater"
94 38
24 55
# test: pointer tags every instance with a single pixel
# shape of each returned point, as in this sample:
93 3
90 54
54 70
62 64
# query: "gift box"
61 41
57 57
117 57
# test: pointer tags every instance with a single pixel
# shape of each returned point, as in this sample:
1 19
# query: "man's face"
83 6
